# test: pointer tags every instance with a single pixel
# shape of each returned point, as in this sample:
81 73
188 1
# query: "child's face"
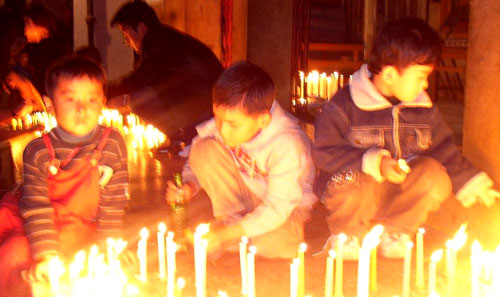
236 126
78 103
412 80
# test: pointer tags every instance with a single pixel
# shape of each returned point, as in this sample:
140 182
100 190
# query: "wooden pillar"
369 25
482 110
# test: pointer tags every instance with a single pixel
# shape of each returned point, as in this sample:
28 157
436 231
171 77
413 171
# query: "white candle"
339 265
475 264
94 250
171 264
56 270
180 285
450 271
200 258
251 270
329 274
161 250
300 255
419 262
142 254
294 278
370 241
243 261
301 75
407 270
435 258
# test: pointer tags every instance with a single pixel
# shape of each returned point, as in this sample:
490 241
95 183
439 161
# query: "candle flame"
436 256
332 254
244 239
252 249
421 230
144 233
162 227
303 247
203 229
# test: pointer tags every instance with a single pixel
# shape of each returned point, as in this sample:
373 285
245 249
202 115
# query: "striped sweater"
35 206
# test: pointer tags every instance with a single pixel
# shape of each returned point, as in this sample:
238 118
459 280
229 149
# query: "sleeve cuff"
371 162
468 192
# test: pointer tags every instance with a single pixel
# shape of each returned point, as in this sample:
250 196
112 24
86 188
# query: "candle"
300 255
180 285
370 241
294 278
301 75
200 258
436 257
329 274
475 264
407 270
339 264
419 262
341 81
94 250
243 263
171 266
450 271
373 270
56 270
251 270
161 250
142 254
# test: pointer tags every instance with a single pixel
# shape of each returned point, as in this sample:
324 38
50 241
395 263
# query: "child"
253 160
75 177
382 116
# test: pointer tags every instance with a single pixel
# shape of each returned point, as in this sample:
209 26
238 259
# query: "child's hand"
39 272
487 196
390 170
174 192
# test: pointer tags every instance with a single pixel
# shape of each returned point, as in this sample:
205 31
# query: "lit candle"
407 270
450 271
142 251
419 262
370 241
300 255
301 75
435 258
329 274
243 262
171 266
161 250
339 265
373 270
56 270
251 270
91 259
294 278
200 258
180 285
475 264
341 81
77 266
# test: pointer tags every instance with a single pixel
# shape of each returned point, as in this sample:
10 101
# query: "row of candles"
317 85
140 136
485 269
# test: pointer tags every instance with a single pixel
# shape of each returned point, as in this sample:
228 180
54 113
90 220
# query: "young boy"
253 160
382 116
75 177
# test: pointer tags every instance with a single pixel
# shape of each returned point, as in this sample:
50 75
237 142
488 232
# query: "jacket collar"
366 97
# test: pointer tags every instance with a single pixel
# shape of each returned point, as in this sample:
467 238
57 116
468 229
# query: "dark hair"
405 42
244 85
73 67
133 13
41 16
89 52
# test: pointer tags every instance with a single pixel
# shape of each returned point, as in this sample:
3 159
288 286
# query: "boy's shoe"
350 248
394 245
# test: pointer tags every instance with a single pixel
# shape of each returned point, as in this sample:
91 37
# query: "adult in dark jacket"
171 84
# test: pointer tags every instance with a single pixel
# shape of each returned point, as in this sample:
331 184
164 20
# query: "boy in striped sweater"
75 178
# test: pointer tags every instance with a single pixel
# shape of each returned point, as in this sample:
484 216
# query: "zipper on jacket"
395 131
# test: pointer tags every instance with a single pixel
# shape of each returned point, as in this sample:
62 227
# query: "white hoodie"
275 165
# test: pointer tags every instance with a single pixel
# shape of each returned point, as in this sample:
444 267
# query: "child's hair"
73 67
133 13
405 42
41 16
244 85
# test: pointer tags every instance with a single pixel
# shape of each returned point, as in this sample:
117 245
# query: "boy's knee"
432 176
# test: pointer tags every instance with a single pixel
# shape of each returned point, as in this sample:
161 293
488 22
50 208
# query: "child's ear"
389 74
49 106
265 119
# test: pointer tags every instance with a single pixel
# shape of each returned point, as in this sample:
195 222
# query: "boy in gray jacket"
254 162
384 116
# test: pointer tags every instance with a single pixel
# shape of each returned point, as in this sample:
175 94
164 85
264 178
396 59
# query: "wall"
270 42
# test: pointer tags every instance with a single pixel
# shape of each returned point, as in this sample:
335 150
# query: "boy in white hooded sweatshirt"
254 162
